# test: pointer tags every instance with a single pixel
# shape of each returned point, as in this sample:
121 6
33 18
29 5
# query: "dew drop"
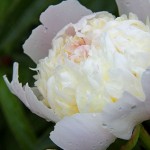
104 125
127 3
133 107
100 143
45 29
93 147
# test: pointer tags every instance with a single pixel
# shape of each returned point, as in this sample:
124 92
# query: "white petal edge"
53 19
121 118
81 132
139 7
26 95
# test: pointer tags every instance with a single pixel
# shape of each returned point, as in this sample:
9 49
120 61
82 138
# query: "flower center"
76 49
94 65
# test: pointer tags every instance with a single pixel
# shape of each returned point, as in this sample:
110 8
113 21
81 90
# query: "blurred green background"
19 128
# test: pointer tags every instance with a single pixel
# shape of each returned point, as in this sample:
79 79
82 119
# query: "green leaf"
44 142
10 13
117 144
145 138
134 139
16 119
101 5
13 32
27 18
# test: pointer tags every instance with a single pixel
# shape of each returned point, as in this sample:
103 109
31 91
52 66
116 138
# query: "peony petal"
69 11
121 118
146 87
38 44
140 7
38 107
53 19
27 96
81 132
15 87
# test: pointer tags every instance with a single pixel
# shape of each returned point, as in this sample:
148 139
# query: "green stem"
134 139
145 138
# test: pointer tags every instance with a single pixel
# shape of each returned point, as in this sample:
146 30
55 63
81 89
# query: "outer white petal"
27 96
53 19
38 44
82 132
124 115
140 7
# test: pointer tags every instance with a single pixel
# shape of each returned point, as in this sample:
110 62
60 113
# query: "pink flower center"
77 50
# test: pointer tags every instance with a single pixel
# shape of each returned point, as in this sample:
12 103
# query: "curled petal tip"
26 95
53 19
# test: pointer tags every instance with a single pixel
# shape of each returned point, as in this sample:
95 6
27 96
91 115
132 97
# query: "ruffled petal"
53 19
140 7
121 118
98 131
82 132
26 95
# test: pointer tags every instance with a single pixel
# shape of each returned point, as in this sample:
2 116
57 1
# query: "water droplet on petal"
133 107
104 125
127 3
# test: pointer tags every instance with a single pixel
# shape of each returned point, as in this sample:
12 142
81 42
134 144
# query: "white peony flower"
93 77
